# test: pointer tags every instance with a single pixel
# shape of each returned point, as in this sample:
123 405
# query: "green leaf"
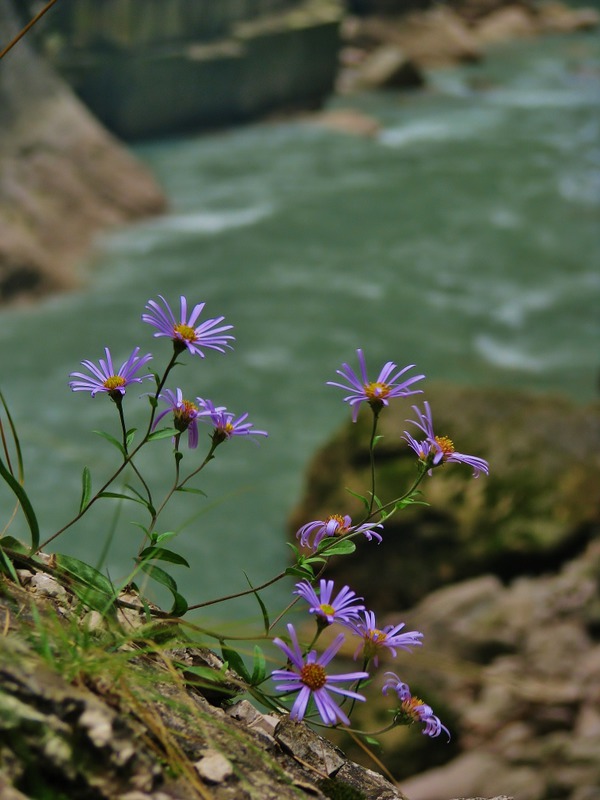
142 499
142 528
13 430
162 554
341 548
164 537
236 662
377 501
112 440
191 490
162 433
263 608
208 675
74 569
86 489
92 587
121 496
180 604
10 543
21 494
412 499
130 435
7 566
300 572
259 670
360 497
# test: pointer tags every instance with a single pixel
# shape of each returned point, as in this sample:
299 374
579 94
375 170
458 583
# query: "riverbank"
64 178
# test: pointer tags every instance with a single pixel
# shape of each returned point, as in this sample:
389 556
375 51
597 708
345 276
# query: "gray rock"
62 177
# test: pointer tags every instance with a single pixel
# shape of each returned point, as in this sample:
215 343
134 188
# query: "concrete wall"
153 67
127 23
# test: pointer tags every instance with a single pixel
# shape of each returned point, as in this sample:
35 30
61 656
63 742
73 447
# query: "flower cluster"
307 674
185 335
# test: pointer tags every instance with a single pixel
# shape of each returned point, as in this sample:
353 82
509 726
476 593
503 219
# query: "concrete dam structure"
158 67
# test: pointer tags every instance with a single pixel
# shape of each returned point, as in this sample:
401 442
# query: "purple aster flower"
225 424
413 709
183 331
374 638
185 414
375 393
334 525
105 378
308 677
342 608
436 450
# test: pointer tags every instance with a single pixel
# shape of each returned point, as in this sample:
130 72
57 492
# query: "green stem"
391 503
127 460
253 590
372 458
27 27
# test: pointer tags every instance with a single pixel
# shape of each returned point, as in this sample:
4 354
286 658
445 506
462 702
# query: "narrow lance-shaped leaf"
21 494
360 497
91 586
162 554
17 444
340 548
263 608
259 670
180 604
115 442
86 488
163 433
236 662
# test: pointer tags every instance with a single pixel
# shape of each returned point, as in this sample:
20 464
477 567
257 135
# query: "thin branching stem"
27 27
127 460
239 594
372 458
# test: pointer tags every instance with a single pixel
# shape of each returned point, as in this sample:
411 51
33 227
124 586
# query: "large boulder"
62 176
539 505
514 672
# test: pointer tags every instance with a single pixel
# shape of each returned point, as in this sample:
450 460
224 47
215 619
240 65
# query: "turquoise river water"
463 238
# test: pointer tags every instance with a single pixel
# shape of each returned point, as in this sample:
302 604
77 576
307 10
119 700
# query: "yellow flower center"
446 444
342 528
376 391
114 382
313 676
183 416
327 609
228 428
185 332
373 639
410 707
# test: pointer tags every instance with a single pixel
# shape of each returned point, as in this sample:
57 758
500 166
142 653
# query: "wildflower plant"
307 684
